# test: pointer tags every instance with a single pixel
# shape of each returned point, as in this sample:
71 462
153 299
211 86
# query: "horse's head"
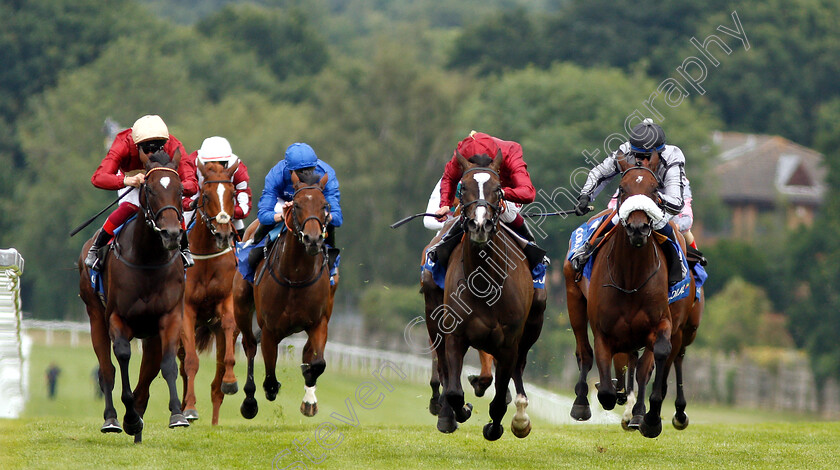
310 212
638 207
481 196
160 197
216 201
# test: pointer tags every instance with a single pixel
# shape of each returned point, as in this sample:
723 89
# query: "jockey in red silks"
517 190
121 170
218 150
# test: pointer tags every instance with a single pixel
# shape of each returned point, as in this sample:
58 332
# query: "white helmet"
217 149
149 127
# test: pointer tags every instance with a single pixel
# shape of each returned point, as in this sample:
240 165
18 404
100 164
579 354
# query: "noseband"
222 217
297 227
152 216
481 202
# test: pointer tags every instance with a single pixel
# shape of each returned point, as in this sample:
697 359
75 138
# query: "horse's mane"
308 176
481 160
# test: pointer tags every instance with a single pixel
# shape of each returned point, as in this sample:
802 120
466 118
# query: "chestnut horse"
487 304
291 293
143 278
626 301
208 299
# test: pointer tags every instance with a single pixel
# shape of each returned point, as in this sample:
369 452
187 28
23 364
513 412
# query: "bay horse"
291 293
626 301
208 298
143 279
487 304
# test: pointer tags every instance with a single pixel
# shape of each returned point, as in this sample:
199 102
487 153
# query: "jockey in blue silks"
279 191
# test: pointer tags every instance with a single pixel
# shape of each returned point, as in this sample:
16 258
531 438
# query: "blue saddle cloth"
242 253
439 273
676 292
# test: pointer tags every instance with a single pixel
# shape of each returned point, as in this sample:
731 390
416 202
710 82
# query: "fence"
14 347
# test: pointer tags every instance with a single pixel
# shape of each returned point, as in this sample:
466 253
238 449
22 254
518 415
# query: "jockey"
517 190
217 149
646 139
122 170
278 193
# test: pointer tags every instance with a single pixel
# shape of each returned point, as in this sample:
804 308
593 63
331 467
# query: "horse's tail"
203 335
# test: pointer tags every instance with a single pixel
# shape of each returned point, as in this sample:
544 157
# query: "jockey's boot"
581 256
676 270
185 251
255 256
695 256
533 253
332 255
440 251
92 259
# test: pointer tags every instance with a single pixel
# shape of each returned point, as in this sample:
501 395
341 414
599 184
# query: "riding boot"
695 256
332 258
185 251
255 256
581 256
672 256
533 253
439 253
92 259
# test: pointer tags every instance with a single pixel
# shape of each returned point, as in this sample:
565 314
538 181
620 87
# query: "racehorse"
487 304
143 279
626 301
208 299
291 293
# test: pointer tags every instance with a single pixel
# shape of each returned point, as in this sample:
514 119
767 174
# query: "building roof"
766 170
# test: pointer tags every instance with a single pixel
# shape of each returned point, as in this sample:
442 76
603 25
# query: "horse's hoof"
191 415
178 421
625 425
521 432
493 432
465 413
138 438
447 425
132 428
230 388
309 409
111 425
650 430
621 398
249 408
434 406
679 425
480 384
581 412
607 400
271 391
635 421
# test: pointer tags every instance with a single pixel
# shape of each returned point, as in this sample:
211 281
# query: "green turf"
398 433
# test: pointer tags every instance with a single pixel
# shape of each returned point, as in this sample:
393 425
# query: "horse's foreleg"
603 357
216 395
583 351
680 419
484 379
170 331
456 347
229 385
643 368
498 406
313 365
132 421
107 373
189 364
434 383
651 426
521 425
243 318
149 368
268 345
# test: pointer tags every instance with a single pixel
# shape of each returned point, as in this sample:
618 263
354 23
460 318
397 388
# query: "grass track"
398 433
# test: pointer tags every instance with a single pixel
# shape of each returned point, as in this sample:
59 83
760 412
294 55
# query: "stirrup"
188 259
580 257
92 258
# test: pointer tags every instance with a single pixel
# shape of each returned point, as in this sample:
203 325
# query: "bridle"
482 202
222 217
151 216
297 227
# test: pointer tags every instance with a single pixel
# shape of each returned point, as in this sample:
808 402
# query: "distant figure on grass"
53 371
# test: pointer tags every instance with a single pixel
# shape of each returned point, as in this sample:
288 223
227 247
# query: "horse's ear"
465 164
176 157
621 159
144 159
295 179
230 171
200 165
496 164
323 182
654 161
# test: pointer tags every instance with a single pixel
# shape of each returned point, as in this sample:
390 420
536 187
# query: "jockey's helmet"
149 127
300 155
217 149
477 143
646 137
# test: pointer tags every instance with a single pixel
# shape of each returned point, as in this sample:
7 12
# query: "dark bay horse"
487 304
143 278
626 302
208 299
293 294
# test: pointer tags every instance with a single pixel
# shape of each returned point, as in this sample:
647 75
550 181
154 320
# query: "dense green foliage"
384 90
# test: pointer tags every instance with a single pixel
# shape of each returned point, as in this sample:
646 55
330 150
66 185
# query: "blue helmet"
300 155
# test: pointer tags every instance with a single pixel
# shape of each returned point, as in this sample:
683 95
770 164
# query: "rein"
632 291
222 217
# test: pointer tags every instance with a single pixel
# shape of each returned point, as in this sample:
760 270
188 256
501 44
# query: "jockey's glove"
582 205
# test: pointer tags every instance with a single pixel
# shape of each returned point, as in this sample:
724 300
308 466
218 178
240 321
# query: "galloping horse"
488 300
626 302
143 279
208 299
294 295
